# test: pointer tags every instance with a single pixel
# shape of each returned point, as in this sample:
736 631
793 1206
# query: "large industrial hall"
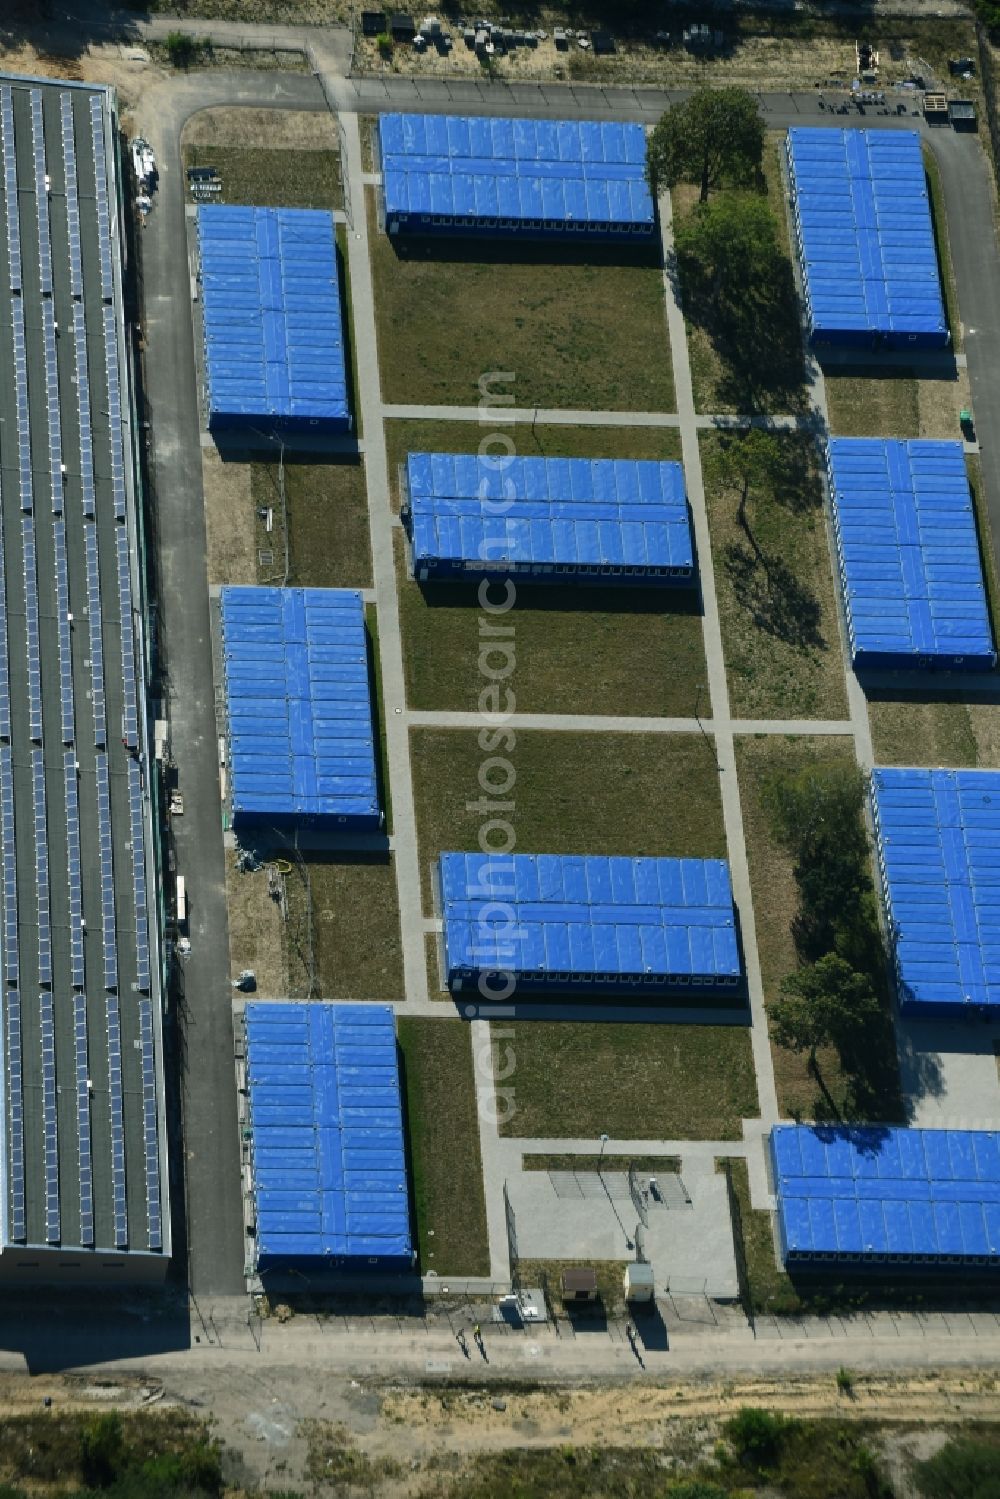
83 1157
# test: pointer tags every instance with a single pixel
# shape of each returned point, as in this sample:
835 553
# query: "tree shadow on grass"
757 340
777 601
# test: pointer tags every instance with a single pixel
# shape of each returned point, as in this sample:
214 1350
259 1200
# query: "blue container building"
855 1198
937 835
326 1146
558 923
273 327
910 570
548 520
302 749
452 174
865 238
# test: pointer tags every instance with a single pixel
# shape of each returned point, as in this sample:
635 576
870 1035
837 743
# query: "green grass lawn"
576 650
328 544
654 1082
734 373
401 437
655 794
771 1290
352 894
584 334
443 1130
776 902
779 611
272 179
939 216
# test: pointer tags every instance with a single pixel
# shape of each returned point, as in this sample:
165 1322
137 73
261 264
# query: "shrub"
384 44
845 1381
964 1469
181 49
757 1436
102 1450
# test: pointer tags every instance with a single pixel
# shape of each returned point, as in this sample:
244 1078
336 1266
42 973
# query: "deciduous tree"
716 136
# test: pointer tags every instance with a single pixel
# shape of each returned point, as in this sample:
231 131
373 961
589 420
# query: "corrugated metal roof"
866 238
552 173
326 1120
301 737
573 512
938 843
558 918
910 567
274 341
878 1193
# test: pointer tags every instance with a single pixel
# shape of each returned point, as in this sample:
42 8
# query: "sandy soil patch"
256 929
277 129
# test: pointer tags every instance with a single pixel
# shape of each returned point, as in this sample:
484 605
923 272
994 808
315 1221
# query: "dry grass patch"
343 934
577 650
654 1082
328 536
942 731
273 129
635 794
268 178
230 520
588 334
256 929
443 1131
779 610
897 404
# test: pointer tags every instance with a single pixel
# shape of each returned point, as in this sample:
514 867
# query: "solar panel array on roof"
274 340
562 922
893 1197
451 174
326 1138
937 835
79 1154
552 519
865 238
301 737
910 569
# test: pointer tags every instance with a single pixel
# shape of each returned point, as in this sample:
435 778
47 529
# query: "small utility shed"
884 1199
866 239
937 835
556 923
910 570
551 520
324 1118
299 709
452 174
273 330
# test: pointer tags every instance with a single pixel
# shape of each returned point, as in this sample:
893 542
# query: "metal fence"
515 1270
987 71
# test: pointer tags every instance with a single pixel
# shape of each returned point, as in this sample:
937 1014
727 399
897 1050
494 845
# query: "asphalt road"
211 1144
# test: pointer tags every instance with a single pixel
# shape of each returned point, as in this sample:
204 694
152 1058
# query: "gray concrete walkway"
562 416
717 685
584 723
384 569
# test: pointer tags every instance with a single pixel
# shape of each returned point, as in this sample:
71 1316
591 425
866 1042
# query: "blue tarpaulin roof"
860 1193
865 234
274 341
301 737
326 1120
574 511
542 916
910 568
938 840
561 171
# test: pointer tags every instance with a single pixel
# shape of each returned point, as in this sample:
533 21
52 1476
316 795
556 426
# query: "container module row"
326 1162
